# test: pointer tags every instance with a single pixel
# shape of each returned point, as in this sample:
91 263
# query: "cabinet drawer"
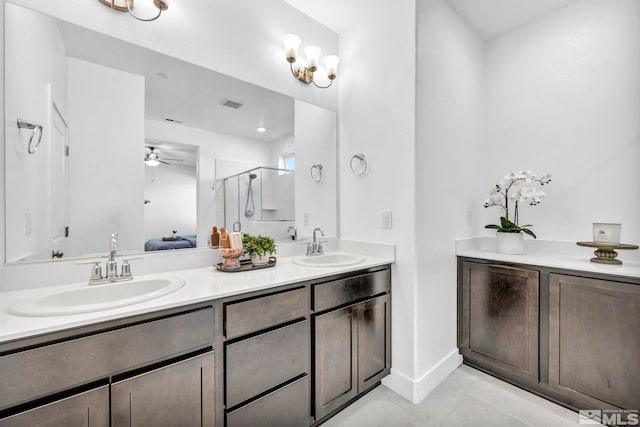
339 292
259 363
285 407
41 371
86 409
263 312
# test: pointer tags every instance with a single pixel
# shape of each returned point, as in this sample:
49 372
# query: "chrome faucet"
315 248
111 266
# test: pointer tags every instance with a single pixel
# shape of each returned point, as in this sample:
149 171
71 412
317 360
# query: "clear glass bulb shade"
331 65
313 56
291 43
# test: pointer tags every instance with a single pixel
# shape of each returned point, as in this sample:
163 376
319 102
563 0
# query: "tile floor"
467 397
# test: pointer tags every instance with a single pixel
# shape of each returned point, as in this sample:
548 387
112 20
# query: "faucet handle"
96 271
125 269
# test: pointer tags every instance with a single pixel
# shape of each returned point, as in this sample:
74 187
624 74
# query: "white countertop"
202 284
565 255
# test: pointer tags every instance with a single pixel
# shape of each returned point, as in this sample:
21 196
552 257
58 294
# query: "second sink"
328 260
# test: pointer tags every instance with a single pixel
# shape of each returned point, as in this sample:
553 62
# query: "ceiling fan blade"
162 161
173 160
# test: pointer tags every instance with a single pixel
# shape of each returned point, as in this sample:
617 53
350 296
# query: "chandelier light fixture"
306 74
127 6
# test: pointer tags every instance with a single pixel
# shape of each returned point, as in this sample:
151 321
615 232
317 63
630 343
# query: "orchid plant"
515 188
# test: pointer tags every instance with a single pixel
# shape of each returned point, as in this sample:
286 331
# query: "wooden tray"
245 265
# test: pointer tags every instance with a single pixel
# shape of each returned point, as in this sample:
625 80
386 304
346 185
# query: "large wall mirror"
136 142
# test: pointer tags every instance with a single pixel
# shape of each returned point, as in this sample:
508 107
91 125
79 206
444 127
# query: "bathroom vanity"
566 334
285 353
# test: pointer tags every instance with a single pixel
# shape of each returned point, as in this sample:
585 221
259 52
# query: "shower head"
252 176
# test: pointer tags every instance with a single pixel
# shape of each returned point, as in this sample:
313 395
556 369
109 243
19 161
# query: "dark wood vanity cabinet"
594 341
137 372
500 318
571 336
352 342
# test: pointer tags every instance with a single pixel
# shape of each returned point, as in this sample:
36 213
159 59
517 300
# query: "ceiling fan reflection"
151 158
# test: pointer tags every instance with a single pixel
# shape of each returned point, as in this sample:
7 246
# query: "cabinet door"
500 319
90 409
335 359
594 341
374 341
176 395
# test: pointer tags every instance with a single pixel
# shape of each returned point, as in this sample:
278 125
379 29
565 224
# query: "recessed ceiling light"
162 75
261 129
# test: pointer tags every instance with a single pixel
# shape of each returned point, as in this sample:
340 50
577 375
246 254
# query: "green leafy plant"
258 245
517 187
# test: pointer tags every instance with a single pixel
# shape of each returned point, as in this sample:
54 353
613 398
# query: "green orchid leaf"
529 232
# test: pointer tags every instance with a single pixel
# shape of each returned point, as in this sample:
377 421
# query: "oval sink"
328 260
95 298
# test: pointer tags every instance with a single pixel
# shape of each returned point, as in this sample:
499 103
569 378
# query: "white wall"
449 152
172 194
315 202
31 74
377 118
107 146
564 98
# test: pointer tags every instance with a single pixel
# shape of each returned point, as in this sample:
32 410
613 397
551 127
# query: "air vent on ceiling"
232 104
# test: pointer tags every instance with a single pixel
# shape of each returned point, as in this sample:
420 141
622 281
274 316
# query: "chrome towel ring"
36 129
316 172
362 168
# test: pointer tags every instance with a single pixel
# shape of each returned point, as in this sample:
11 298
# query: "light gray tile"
467 397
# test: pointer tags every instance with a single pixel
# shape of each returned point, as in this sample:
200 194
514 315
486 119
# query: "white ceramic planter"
259 260
510 243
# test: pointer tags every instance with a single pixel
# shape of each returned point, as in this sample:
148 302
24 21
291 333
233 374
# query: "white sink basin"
95 298
328 260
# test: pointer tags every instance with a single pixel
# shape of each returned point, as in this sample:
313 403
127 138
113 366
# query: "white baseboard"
416 390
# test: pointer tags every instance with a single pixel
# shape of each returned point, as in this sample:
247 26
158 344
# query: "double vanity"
286 346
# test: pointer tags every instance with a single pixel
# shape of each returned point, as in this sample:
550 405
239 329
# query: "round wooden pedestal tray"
605 252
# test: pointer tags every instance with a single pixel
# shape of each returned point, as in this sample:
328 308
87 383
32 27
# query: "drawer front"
88 409
38 372
259 363
344 291
244 317
285 407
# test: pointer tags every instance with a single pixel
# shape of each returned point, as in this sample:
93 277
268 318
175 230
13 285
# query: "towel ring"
36 129
316 172
363 164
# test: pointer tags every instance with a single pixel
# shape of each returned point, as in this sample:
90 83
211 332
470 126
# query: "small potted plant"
258 248
517 187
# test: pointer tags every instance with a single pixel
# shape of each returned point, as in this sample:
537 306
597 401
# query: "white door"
59 183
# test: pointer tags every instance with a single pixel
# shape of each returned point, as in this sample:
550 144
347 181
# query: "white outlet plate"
305 218
387 220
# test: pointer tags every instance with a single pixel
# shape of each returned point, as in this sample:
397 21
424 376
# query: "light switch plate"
387 221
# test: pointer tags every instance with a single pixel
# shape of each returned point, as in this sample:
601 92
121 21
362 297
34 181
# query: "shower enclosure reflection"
260 201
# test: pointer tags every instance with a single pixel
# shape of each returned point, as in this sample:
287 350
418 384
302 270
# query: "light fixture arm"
161 5
127 6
